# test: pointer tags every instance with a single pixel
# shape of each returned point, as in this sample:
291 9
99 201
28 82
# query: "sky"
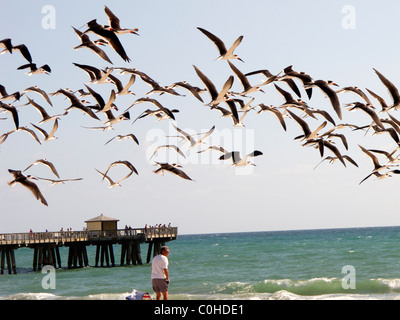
340 41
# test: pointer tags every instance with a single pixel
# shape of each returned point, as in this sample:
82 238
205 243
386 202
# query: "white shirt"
158 264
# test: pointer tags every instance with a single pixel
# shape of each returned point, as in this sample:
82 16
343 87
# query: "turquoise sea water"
357 263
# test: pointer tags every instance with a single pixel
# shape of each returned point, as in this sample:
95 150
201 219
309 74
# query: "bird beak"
238 58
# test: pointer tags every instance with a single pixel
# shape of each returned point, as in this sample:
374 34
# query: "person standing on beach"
159 274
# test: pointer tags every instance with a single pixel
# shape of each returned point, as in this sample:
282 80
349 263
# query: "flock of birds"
230 104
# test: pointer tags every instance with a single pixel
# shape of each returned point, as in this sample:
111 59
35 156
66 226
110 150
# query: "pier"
46 246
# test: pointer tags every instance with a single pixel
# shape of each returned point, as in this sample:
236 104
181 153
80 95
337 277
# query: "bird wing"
207 82
112 18
217 41
235 44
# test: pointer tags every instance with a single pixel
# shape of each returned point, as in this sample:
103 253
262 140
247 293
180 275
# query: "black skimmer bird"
379 176
275 111
111 182
58 181
122 90
271 78
103 107
393 91
168 146
334 159
156 88
87 43
46 163
305 78
124 137
24 180
31 132
195 91
237 122
224 53
247 88
75 103
367 109
159 114
35 70
115 23
193 142
375 161
13 112
113 120
172 168
329 92
48 136
381 101
289 100
96 75
5 96
388 155
109 36
45 116
229 113
237 160
308 134
126 163
357 91
156 103
216 98
39 91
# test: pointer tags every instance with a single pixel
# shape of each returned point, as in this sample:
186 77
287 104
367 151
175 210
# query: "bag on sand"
138 295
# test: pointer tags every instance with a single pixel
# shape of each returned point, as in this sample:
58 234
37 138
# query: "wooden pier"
46 246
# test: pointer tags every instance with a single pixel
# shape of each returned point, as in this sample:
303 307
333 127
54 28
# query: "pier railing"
62 237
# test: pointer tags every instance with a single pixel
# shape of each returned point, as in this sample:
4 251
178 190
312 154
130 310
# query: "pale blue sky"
282 192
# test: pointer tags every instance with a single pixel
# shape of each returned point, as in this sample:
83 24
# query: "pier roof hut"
102 223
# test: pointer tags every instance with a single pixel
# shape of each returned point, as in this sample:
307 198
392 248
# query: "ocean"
341 264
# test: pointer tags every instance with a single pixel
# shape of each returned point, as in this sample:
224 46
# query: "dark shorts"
159 285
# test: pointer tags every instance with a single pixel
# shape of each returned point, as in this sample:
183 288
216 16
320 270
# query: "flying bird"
46 163
156 103
393 91
247 87
39 91
35 70
53 182
115 23
111 182
190 139
124 137
25 181
237 160
109 36
329 92
168 146
121 162
224 53
96 75
48 136
87 43
216 97
172 168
